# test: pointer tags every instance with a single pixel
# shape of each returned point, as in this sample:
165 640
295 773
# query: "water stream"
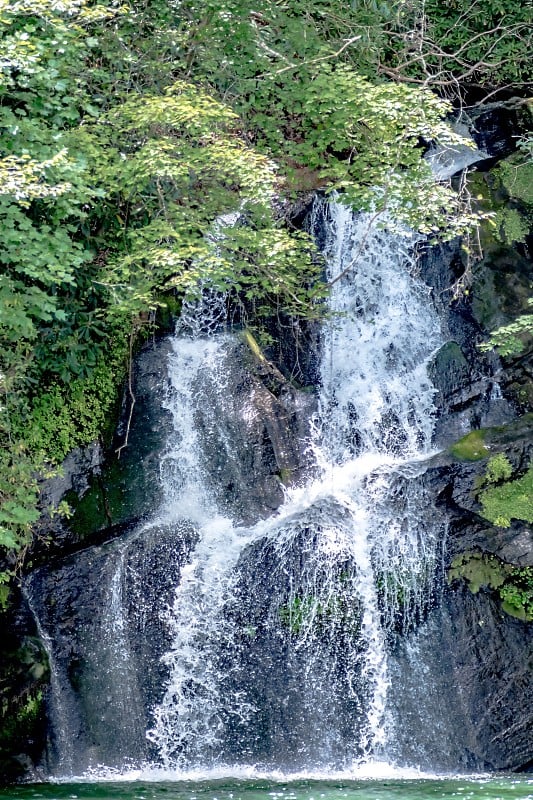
279 637
279 652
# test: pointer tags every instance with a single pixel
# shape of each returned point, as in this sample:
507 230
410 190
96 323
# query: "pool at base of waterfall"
399 786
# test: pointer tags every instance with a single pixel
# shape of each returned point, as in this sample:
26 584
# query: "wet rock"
492 657
75 475
456 480
463 681
127 484
294 617
259 444
102 611
494 127
489 651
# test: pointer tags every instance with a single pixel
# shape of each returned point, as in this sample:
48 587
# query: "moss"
478 570
89 512
516 176
512 585
510 500
304 613
471 447
115 497
285 475
400 586
299 612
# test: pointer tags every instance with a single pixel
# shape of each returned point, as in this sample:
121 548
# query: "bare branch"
300 64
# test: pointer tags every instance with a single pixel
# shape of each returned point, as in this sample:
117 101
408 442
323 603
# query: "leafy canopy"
126 132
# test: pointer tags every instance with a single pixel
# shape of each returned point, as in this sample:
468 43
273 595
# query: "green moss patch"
303 614
471 447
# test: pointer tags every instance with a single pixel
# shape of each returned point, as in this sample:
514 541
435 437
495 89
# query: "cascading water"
276 649
281 630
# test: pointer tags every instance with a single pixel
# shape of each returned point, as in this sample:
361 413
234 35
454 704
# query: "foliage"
129 135
514 220
63 418
300 82
514 176
498 469
461 46
513 584
517 594
509 340
509 500
110 182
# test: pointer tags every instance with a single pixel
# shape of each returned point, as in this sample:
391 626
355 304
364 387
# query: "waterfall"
281 630
265 639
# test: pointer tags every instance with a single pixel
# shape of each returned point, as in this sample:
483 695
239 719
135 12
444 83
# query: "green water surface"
493 788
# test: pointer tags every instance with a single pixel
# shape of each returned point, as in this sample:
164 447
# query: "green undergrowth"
64 418
509 499
506 193
503 495
513 585
42 431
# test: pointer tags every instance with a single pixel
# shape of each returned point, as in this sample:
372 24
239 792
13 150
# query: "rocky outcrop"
102 592
480 628
492 660
127 485
259 444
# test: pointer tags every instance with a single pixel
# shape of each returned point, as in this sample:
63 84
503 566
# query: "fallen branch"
119 450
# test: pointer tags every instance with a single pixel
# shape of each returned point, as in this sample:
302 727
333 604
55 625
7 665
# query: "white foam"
366 771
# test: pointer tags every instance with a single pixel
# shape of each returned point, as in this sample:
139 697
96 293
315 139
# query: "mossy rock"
502 286
512 499
478 570
449 370
471 447
480 443
522 393
512 584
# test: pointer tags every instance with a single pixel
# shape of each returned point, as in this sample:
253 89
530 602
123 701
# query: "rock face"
259 443
491 659
468 666
126 486
482 670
